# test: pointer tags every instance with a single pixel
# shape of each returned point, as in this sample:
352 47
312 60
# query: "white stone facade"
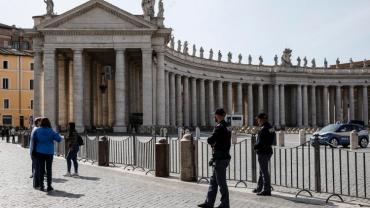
153 84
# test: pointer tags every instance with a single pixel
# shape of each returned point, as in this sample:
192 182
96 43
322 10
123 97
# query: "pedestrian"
35 126
12 133
220 142
74 141
265 139
43 150
2 133
7 134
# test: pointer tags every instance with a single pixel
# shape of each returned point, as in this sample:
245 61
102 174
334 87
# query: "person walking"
265 139
74 141
221 143
33 159
43 150
2 133
7 134
12 133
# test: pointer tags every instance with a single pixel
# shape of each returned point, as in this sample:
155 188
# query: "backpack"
80 141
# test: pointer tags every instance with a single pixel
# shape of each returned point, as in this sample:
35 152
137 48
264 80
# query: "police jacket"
221 141
265 139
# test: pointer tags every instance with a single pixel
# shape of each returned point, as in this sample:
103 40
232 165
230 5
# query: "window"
6 103
5 83
31 66
7 120
5 64
31 105
31 84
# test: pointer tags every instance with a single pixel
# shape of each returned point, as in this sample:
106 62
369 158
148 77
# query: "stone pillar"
202 107
351 103
282 106
240 99
37 92
99 100
260 98
345 104
325 105
120 124
147 87
62 101
250 105
179 100
270 101
87 92
299 105
220 97
194 108
338 104
70 91
229 98
50 86
331 105
172 100
78 76
276 106
186 100
305 106
167 89
161 91
211 103
365 103
313 106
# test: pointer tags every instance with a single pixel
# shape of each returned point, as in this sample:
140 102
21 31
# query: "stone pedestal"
281 139
162 168
354 140
302 137
103 152
187 152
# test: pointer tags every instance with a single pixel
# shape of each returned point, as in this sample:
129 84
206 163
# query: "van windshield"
330 128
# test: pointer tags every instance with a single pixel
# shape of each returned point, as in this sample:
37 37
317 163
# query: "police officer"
264 152
220 142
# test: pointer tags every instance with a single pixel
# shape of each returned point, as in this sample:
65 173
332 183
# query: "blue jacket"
44 138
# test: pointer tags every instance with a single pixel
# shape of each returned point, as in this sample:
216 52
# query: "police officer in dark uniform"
220 142
263 148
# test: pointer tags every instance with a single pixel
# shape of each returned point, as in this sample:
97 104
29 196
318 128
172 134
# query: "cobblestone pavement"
112 187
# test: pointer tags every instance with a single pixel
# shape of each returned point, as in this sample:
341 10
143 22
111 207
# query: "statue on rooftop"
179 46
172 43
286 57
49 7
194 49
250 59
219 56
276 60
160 9
201 51
261 61
325 63
211 54
240 57
351 64
299 61
148 7
313 62
186 48
337 62
229 57
305 62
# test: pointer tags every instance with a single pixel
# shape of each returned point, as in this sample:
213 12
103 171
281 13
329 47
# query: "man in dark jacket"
220 142
263 148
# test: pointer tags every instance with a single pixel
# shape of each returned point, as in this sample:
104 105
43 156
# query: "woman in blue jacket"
43 150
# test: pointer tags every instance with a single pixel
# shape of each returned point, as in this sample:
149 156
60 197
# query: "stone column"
229 98
50 87
240 99
87 92
276 106
172 100
351 102
194 108
270 102
62 101
179 100
37 77
331 104
186 100
220 97
95 89
305 106
147 87
325 104
99 94
78 76
260 98
365 103
250 105
202 107
161 91
70 91
167 80
211 103
299 105
120 124
345 104
282 106
313 106
338 104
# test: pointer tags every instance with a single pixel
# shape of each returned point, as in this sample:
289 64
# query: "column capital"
147 50
120 50
77 50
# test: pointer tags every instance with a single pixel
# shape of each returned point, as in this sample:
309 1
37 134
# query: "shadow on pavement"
88 178
58 193
59 180
304 200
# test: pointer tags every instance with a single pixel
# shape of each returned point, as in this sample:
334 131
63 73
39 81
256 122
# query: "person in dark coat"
7 134
74 147
264 151
221 143
2 133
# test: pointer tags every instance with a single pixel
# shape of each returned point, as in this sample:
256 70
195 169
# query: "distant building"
16 77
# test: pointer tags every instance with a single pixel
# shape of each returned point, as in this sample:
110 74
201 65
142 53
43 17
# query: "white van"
234 120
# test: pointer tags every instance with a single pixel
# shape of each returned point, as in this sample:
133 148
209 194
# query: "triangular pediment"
97 15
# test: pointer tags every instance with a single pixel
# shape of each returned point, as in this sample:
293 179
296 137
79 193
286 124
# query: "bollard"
281 139
162 168
103 152
187 159
23 140
302 137
354 140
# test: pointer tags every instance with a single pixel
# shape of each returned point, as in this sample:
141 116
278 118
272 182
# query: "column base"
120 129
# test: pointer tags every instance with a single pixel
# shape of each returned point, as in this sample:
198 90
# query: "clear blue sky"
312 28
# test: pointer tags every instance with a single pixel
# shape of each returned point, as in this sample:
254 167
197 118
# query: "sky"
313 28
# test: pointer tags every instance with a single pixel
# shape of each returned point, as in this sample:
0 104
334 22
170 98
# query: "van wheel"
334 143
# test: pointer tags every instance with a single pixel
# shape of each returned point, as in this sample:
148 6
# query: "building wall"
19 74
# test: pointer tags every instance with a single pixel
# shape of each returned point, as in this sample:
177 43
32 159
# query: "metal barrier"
174 160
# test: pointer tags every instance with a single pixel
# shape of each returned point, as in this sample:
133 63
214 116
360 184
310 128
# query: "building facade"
100 66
